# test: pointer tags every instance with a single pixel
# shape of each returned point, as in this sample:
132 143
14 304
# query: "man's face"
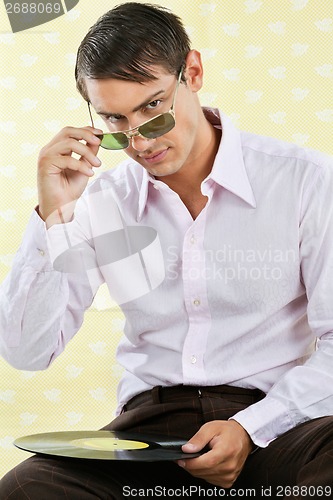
125 105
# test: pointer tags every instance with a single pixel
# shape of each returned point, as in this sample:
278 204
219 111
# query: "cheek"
186 124
187 133
131 153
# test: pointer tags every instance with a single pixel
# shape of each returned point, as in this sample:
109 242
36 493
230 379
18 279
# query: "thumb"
198 441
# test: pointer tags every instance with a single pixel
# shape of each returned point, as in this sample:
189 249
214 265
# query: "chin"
162 171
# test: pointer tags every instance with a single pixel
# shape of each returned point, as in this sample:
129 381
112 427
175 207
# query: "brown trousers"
297 465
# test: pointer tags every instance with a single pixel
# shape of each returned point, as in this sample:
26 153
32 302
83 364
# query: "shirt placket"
195 281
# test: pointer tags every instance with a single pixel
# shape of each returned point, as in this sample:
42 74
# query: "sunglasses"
155 127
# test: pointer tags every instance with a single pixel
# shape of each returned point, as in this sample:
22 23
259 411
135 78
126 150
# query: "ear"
194 70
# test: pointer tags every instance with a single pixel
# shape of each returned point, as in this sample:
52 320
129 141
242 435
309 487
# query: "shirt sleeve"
305 392
40 308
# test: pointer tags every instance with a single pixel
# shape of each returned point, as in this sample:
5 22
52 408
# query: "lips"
156 157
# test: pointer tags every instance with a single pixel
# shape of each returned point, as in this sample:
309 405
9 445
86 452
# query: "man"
228 237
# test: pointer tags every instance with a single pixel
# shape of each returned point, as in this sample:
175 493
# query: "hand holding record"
229 446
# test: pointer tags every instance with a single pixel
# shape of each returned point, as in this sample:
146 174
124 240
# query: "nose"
140 143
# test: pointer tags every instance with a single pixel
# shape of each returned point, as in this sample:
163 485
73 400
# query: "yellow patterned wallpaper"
268 66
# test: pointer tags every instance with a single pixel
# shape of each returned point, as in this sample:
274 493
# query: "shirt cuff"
265 421
34 249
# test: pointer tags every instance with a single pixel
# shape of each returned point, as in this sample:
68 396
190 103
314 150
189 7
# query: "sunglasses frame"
134 132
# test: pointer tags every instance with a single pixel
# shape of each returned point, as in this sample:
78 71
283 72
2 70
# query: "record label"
108 444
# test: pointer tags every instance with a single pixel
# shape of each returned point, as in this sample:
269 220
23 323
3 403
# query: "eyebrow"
142 105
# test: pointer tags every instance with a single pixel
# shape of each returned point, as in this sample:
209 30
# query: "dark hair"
125 41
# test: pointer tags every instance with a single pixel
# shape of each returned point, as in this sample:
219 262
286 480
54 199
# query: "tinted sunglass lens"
158 126
114 141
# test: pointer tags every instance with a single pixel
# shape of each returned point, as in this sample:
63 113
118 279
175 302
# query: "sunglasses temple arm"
176 91
91 118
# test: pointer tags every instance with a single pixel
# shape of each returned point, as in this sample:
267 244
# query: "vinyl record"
105 445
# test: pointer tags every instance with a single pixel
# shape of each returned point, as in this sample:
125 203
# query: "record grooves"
105 445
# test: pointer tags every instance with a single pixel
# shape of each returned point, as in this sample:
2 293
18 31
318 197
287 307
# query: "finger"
214 471
88 150
201 439
93 129
69 163
218 477
94 147
81 132
87 134
203 463
69 146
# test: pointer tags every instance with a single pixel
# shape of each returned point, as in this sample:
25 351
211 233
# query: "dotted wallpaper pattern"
268 65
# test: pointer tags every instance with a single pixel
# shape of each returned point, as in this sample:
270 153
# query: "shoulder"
273 152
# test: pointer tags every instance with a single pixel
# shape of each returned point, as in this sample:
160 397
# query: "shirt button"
193 360
41 252
156 187
192 240
196 302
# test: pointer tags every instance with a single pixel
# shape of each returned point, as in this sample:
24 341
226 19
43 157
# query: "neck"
189 179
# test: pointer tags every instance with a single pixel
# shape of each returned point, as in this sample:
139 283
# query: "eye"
113 118
153 104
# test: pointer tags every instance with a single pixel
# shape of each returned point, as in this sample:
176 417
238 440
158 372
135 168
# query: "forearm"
40 309
305 392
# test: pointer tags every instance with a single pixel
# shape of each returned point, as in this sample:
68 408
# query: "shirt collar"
228 169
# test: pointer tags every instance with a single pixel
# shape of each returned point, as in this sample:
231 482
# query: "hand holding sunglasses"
63 177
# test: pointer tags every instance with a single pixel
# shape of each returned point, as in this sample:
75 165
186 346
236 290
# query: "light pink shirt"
238 296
